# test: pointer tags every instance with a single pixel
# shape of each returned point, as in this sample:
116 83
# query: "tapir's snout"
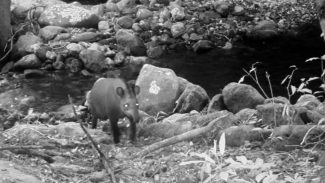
133 115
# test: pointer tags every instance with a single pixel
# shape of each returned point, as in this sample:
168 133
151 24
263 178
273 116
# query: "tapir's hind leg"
94 123
115 130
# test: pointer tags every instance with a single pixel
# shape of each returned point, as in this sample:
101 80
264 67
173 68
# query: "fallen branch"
185 136
31 152
25 147
95 145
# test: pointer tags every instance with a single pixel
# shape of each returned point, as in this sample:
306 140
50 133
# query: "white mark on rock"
154 88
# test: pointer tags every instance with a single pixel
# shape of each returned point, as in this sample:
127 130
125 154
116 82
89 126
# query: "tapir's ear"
120 91
136 89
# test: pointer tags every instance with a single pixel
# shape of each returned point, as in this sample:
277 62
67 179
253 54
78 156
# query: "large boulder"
68 15
216 104
194 97
239 96
276 114
4 24
23 46
128 39
30 61
159 89
20 8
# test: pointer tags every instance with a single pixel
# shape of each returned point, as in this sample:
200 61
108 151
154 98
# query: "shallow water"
212 70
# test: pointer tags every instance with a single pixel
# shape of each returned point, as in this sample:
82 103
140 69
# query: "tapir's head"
128 101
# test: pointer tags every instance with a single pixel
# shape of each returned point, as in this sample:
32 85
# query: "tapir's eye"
126 105
137 104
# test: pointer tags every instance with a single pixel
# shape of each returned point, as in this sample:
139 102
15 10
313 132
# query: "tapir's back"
103 99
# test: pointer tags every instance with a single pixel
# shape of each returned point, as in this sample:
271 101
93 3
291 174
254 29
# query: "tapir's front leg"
133 131
115 130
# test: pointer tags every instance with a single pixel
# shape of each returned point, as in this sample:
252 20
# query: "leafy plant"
252 73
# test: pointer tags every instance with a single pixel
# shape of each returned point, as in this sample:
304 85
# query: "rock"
273 114
222 7
9 173
291 136
159 89
126 6
237 135
307 100
85 37
178 13
125 22
194 97
119 58
195 37
207 16
313 117
74 65
28 62
145 25
320 4
321 108
68 15
128 39
278 100
98 10
138 60
239 96
58 65
62 36
177 29
74 48
246 115
155 51
41 50
103 25
136 27
49 32
265 29
238 10
33 73
143 13
216 104
23 45
164 15
5 31
7 67
202 46
93 60
111 7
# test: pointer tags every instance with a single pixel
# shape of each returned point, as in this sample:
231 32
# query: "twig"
95 145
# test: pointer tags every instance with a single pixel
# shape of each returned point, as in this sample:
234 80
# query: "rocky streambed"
187 57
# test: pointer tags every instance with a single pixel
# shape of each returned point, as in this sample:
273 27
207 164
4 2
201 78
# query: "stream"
211 70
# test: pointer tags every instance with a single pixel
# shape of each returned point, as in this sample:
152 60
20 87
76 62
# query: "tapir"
113 98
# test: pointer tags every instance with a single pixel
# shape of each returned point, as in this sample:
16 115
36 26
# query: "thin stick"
95 146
